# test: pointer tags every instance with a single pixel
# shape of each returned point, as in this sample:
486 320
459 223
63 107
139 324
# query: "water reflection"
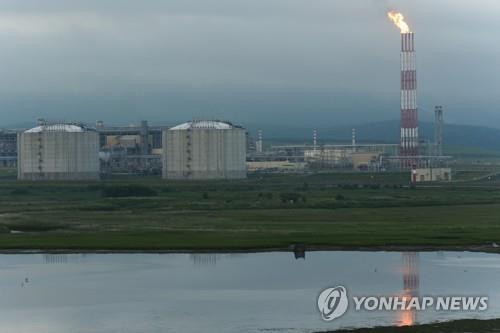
410 287
204 259
51 258
244 292
64 258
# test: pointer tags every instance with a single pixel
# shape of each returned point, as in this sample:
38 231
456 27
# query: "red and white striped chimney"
409 113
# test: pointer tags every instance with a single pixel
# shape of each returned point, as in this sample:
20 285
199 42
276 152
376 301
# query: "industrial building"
58 152
8 148
204 150
130 149
328 156
359 157
365 161
431 175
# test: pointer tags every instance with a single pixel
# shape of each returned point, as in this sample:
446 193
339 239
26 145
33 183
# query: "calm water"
266 292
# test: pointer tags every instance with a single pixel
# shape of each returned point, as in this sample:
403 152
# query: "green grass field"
348 210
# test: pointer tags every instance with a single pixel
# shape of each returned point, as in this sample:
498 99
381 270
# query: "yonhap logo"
333 303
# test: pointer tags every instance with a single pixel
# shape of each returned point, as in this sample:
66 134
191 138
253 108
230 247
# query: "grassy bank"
342 210
459 326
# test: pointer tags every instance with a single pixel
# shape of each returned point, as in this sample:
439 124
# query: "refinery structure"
208 149
130 149
214 149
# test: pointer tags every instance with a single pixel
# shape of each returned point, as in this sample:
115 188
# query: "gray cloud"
305 61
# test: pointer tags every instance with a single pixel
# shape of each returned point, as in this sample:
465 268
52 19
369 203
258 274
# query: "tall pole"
438 130
315 140
259 142
353 140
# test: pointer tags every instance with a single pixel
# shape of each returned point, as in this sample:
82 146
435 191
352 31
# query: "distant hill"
24 125
388 132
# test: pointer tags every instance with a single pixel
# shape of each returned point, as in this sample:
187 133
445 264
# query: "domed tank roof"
57 128
204 124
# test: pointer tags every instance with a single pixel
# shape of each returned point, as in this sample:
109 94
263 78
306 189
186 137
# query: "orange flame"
399 20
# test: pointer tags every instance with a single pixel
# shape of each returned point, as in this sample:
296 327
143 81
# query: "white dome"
203 124
56 128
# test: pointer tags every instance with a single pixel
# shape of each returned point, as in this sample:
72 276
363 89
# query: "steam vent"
58 152
204 150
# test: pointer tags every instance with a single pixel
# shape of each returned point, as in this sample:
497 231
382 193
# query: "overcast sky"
296 62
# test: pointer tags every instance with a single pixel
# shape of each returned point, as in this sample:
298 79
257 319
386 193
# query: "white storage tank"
58 152
204 150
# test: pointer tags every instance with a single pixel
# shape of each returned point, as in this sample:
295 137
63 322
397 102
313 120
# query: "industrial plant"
204 150
8 148
207 149
58 152
134 149
213 149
